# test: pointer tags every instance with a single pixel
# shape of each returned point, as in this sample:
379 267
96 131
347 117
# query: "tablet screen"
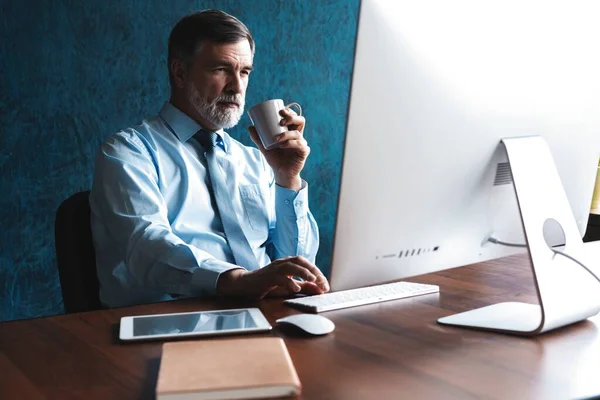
193 322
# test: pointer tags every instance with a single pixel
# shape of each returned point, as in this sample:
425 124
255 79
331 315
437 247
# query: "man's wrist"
226 284
293 183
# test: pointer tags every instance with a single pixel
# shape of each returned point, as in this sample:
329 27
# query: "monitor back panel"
436 86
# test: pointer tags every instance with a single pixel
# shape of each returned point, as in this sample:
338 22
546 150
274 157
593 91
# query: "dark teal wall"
73 72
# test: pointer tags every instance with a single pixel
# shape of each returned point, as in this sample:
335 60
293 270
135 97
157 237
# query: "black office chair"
75 255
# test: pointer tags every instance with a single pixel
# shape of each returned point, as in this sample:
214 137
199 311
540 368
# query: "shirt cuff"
290 203
206 277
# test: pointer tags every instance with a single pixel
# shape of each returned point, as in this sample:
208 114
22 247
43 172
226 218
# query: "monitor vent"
503 174
409 253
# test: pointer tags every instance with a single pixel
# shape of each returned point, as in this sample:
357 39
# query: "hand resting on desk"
274 279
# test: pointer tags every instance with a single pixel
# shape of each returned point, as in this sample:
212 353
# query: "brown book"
240 368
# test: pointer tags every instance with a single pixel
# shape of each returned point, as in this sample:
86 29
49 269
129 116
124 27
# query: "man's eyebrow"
228 64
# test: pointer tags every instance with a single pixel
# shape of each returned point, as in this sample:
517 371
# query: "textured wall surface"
73 72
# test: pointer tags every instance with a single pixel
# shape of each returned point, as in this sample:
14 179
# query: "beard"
214 111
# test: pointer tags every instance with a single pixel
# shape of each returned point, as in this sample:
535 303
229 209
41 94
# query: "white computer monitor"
436 87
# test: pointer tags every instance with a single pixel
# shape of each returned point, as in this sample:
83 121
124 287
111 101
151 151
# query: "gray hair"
209 25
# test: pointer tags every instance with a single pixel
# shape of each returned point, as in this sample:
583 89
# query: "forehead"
236 53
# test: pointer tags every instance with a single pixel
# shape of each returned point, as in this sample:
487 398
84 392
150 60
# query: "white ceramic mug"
266 118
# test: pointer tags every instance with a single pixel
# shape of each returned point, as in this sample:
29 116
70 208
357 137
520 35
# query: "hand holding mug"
285 150
266 118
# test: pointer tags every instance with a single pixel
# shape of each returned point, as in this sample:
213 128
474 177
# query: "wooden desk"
389 350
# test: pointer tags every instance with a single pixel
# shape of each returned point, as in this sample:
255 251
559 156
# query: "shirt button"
299 203
287 202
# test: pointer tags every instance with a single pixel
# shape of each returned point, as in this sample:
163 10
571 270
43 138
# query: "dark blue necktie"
240 248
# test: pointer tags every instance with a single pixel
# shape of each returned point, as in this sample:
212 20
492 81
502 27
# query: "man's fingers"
289 269
293 140
291 118
288 112
284 281
300 144
293 286
280 272
310 288
320 280
289 135
279 276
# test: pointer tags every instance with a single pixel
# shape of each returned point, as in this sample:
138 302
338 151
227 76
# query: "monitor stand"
567 293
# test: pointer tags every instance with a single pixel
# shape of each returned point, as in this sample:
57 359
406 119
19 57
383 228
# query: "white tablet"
199 323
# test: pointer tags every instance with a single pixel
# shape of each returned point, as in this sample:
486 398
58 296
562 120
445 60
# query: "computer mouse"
310 323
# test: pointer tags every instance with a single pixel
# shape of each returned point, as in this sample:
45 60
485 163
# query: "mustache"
230 98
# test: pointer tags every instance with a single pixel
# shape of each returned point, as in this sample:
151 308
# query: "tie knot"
207 139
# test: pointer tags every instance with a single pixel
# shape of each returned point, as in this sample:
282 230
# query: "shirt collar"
184 127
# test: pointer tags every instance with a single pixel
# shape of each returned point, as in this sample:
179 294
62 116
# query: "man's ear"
178 72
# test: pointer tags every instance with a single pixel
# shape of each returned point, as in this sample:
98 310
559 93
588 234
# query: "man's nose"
235 83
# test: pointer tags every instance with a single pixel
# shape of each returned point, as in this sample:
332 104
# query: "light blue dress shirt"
154 227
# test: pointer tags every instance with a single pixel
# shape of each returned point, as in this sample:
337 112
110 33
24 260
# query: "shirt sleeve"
296 232
127 200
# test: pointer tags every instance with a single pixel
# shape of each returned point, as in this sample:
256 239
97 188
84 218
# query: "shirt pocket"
255 208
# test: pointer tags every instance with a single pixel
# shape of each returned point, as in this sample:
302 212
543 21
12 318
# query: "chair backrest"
75 255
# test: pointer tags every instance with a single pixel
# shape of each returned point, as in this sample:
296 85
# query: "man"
179 208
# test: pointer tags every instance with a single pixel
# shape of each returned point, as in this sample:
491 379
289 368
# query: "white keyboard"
361 296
